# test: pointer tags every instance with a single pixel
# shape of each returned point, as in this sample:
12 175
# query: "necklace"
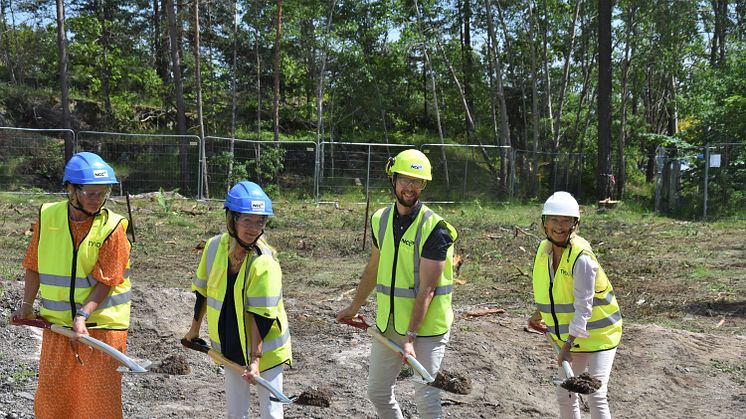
235 259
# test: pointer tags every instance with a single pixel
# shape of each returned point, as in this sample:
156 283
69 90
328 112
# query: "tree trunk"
258 58
9 62
276 69
198 86
534 168
103 10
466 51
557 131
62 51
179 90
504 122
234 99
604 99
621 177
429 67
322 70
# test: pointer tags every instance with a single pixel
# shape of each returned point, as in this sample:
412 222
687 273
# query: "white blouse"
584 280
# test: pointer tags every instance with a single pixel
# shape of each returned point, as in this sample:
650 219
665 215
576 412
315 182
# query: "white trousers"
598 365
238 395
385 366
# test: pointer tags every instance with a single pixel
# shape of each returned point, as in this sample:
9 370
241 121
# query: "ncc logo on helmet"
415 166
100 174
257 206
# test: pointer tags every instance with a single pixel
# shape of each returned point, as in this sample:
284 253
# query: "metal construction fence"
147 162
33 159
693 182
353 169
282 164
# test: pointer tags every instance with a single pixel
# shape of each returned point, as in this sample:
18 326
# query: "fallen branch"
520 271
525 233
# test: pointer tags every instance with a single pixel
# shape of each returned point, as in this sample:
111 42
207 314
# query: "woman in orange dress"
78 260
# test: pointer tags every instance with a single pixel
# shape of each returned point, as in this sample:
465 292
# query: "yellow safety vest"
399 273
554 299
258 290
65 273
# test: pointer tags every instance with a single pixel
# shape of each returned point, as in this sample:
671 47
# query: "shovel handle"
565 365
124 360
220 359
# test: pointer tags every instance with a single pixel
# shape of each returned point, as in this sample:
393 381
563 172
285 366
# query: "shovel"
201 346
444 381
581 384
127 364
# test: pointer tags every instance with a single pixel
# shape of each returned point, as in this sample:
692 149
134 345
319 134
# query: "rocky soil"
658 373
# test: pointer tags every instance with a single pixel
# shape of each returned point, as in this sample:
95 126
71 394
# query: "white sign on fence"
714 160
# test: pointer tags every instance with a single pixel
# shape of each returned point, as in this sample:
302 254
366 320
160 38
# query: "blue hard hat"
248 198
88 169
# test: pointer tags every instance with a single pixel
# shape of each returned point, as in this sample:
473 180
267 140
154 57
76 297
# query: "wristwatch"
411 334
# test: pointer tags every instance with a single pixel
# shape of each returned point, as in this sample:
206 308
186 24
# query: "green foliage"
264 169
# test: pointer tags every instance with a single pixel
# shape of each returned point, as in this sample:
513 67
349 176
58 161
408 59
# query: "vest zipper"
392 311
73 274
551 300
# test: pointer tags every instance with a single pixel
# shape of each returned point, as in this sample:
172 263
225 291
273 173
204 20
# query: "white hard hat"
561 203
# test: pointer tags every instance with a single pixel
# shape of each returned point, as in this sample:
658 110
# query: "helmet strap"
569 235
81 209
232 232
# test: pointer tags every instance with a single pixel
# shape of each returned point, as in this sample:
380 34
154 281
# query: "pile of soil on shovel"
453 382
582 384
320 397
174 364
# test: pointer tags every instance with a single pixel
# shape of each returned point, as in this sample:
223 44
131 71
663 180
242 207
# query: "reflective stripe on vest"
259 273
554 298
409 292
398 278
267 346
65 280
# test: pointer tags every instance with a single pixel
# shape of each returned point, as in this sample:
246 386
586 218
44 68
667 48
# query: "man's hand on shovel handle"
407 349
347 313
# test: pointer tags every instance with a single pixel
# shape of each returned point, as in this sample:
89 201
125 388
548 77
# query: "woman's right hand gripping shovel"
581 384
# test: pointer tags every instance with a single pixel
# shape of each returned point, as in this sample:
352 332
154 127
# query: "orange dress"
66 388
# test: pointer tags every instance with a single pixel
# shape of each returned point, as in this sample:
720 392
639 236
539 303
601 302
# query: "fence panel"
724 180
147 162
354 169
283 164
33 158
539 174
467 172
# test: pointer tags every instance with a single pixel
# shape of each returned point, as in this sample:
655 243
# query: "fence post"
367 182
707 176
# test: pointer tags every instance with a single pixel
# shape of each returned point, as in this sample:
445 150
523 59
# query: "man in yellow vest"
78 260
239 286
411 270
575 303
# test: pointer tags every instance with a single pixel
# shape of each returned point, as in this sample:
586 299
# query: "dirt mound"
174 364
320 397
453 382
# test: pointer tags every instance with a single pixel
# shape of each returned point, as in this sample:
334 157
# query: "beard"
407 202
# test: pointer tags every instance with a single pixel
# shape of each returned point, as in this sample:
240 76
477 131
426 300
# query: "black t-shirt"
437 244
228 332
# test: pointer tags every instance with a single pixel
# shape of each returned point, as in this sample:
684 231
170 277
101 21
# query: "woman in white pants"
576 304
239 286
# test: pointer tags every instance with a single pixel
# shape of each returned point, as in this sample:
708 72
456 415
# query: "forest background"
611 80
